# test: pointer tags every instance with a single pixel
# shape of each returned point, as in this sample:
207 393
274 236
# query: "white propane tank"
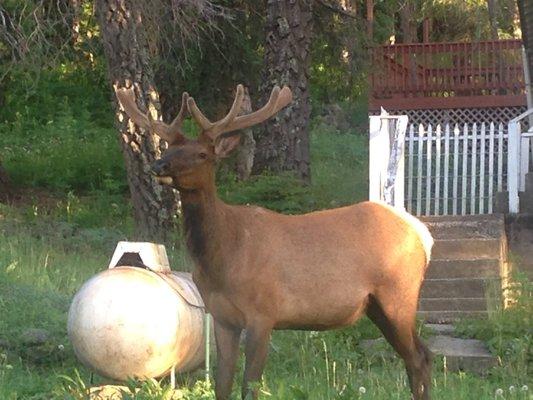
129 321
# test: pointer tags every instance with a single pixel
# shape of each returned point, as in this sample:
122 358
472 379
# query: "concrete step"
449 316
466 249
465 270
465 226
456 304
441 329
529 182
463 354
481 268
458 288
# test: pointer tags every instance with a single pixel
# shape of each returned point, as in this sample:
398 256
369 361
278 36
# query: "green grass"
339 177
41 267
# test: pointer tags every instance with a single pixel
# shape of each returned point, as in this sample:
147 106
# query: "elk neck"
205 222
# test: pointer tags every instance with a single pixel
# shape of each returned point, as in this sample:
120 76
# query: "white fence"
455 169
449 169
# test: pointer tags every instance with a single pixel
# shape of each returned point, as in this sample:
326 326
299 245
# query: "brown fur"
259 270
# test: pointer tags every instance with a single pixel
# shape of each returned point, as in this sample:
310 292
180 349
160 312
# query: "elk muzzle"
160 167
161 170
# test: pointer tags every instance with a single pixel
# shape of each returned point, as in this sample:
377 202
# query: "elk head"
188 164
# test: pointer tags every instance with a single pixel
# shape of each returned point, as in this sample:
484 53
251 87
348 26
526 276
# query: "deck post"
513 156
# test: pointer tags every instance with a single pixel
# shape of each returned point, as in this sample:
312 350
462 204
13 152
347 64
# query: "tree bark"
4 184
128 62
283 144
525 9
408 22
493 19
244 159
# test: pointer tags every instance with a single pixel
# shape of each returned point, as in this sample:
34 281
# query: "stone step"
526 201
529 182
465 226
462 288
455 304
463 354
441 329
482 268
448 316
466 249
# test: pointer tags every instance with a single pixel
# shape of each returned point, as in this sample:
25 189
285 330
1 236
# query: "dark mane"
193 218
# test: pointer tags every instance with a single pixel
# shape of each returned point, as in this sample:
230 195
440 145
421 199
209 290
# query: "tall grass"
39 272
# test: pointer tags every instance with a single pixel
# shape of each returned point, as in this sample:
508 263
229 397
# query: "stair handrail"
517 159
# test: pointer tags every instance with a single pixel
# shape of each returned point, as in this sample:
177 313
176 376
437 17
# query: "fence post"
513 155
386 159
395 184
377 153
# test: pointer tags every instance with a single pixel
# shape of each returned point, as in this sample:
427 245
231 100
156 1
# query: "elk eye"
202 155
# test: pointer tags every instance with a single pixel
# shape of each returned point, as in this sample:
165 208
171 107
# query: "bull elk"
258 270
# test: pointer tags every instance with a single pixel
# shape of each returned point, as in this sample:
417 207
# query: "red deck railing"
447 75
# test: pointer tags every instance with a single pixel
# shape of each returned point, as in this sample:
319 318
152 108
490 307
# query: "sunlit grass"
39 274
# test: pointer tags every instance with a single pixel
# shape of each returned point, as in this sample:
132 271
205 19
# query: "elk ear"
226 144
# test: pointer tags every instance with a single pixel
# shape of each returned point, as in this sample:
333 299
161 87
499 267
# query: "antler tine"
213 129
127 99
200 118
178 121
279 98
171 133
220 126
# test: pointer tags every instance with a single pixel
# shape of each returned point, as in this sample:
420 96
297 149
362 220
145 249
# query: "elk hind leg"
397 323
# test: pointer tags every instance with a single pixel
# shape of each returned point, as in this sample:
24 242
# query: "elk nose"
160 167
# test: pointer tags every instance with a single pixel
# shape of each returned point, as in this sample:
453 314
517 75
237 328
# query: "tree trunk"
4 184
493 19
408 22
244 159
525 9
128 62
283 144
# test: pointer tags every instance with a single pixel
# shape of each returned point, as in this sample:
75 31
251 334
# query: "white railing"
520 144
448 169
455 170
386 158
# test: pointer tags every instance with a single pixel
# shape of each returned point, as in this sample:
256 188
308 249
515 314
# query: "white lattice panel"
461 115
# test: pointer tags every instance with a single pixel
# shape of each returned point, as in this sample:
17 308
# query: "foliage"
59 134
507 331
282 193
338 69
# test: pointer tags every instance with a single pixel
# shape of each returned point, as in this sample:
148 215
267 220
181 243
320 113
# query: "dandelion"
524 388
60 347
362 390
499 392
512 389
342 389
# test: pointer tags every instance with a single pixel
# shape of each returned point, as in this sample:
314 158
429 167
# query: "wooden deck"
447 75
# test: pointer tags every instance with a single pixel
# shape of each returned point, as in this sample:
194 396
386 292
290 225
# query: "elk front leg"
256 350
227 340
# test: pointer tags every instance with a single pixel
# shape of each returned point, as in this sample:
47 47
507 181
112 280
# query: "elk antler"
171 133
279 98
